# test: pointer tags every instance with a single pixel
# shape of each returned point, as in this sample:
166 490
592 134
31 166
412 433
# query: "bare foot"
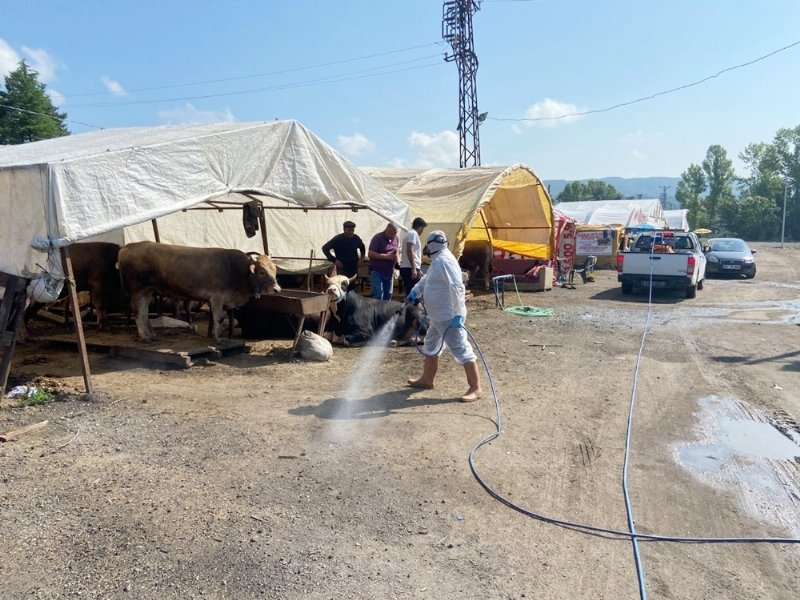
472 395
419 383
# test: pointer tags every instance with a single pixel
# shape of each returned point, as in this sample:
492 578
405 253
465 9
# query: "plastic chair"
585 270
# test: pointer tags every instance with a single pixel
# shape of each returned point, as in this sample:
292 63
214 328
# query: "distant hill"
644 187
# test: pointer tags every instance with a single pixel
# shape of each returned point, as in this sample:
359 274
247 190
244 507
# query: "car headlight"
713 259
748 259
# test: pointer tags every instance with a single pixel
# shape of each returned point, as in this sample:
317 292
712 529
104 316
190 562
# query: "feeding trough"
295 303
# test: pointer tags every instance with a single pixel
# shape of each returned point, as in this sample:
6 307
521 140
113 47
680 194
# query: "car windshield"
728 246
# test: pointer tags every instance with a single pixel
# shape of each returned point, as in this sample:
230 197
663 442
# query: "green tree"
774 169
787 149
718 170
688 194
26 112
576 191
756 218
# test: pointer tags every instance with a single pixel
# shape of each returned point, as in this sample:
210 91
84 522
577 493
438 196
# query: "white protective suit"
442 291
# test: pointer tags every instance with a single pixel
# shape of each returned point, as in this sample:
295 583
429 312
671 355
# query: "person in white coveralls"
441 289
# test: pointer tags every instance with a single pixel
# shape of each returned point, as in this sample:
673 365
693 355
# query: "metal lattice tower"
457 31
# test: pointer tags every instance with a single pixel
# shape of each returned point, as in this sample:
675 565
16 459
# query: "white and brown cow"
356 319
224 278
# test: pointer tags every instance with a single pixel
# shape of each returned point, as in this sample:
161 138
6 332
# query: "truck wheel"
627 288
691 291
700 284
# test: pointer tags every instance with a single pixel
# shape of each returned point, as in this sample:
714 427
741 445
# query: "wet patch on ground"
755 455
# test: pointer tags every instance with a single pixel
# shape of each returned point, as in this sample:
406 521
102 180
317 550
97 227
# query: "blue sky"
369 77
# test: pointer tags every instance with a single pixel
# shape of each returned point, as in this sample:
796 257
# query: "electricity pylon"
457 31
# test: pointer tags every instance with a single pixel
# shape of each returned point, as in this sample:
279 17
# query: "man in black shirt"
345 248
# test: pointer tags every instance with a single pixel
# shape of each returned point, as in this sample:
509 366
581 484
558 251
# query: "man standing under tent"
442 291
411 255
346 248
383 260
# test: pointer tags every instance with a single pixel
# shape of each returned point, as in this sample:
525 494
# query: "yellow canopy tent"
508 206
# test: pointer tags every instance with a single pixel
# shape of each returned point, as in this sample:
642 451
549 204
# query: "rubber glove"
412 296
457 321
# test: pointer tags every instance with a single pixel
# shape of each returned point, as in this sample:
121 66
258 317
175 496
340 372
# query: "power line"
256 75
33 112
656 95
362 74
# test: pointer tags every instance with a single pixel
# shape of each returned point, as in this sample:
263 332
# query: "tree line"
755 212
748 206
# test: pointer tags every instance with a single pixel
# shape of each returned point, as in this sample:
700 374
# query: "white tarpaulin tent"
81 186
628 213
510 202
677 219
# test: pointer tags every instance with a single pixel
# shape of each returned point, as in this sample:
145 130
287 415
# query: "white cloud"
114 86
41 62
633 137
638 155
355 144
188 114
552 112
434 150
9 59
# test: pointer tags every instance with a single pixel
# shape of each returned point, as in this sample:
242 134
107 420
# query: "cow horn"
353 278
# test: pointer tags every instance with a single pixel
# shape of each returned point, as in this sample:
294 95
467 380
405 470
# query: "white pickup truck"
664 259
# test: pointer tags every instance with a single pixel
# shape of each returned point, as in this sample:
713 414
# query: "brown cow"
477 258
94 265
224 278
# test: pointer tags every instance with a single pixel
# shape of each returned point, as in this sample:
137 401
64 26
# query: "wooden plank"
180 360
12 309
17 433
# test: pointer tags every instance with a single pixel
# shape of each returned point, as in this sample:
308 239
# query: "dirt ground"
259 475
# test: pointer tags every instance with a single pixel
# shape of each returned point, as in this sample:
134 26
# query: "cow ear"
252 267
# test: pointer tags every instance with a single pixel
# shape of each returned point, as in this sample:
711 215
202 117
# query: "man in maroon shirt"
383 258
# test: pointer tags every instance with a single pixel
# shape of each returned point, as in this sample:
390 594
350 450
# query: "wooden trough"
298 303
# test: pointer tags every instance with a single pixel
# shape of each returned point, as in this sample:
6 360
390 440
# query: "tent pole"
485 226
263 222
76 312
155 231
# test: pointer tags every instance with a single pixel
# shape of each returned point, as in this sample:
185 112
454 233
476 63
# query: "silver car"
730 256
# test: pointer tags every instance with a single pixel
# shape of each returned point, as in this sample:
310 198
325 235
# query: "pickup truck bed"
664 260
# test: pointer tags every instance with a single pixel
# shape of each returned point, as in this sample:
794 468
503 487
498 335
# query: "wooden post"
155 231
310 276
262 220
12 311
76 312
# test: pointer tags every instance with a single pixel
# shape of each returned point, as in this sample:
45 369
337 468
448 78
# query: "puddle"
742 450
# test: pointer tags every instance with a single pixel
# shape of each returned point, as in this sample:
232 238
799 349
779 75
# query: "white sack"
314 347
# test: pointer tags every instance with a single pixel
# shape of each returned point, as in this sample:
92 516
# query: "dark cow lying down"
224 278
357 319
94 265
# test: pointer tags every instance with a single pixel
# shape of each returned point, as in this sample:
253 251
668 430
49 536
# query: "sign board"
595 243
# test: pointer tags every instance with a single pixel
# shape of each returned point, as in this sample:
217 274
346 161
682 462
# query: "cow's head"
263 275
411 322
336 287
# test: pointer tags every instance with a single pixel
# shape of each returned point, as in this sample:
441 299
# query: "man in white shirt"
411 255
